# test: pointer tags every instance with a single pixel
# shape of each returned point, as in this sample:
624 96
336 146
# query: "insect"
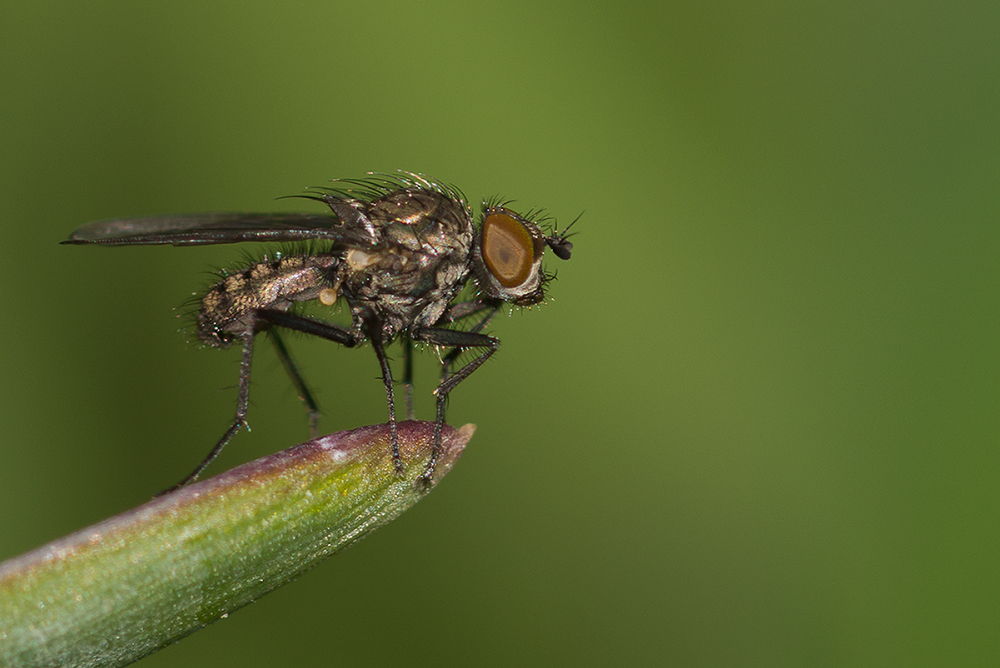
398 249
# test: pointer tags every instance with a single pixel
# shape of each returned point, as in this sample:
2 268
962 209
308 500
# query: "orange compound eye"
508 249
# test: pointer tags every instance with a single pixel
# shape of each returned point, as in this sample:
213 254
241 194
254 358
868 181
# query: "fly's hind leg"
239 421
287 361
300 323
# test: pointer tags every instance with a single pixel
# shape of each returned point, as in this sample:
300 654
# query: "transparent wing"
217 228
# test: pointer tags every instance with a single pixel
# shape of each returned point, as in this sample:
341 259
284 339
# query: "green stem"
115 592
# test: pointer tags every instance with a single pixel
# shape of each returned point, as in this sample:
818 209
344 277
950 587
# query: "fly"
398 249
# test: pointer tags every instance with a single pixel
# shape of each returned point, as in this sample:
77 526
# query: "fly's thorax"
228 308
425 212
399 288
419 263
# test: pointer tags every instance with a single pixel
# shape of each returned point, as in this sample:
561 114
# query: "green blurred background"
756 425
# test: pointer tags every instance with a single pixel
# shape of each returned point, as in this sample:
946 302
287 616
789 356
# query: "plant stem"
115 592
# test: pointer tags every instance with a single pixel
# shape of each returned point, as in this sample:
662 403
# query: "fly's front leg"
466 310
463 310
455 313
460 341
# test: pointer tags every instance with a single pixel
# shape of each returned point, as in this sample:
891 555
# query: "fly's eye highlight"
508 249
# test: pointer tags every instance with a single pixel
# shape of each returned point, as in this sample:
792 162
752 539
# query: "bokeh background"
757 423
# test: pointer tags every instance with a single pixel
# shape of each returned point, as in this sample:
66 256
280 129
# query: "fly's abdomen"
228 309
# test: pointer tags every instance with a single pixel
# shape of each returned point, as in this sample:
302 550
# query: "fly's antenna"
559 241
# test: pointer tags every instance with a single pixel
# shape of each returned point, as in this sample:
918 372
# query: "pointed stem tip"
117 591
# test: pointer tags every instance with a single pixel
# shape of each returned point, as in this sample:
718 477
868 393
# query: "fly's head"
507 255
